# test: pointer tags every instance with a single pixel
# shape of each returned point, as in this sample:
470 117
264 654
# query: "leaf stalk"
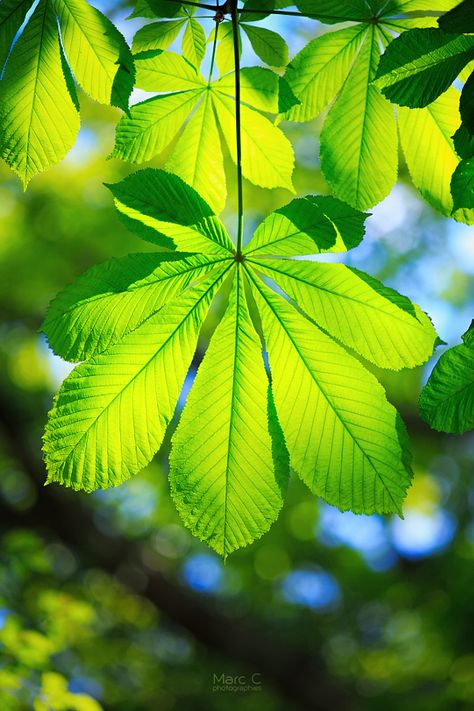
238 125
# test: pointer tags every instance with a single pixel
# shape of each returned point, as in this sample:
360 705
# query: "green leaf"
259 87
194 43
358 159
268 45
12 14
136 321
308 225
466 104
197 157
225 49
166 71
38 119
459 19
267 155
345 440
166 8
447 400
113 298
96 51
421 65
464 142
142 9
462 186
407 14
318 72
395 334
248 16
111 413
225 483
159 204
331 11
425 135
152 124
301 227
156 35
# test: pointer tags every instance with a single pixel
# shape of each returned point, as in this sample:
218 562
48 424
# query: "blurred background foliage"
107 602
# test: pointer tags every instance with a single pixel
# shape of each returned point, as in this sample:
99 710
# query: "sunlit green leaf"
158 205
308 225
447 400
102 429
166 71
268 45
198 157
425 136
157 35
111 299
421 65
358 159
96 51
324 395
226 483
395 333
194 43
38 118
267 155
318 72
152 124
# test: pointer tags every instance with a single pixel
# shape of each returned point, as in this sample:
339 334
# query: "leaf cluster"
286 380
420 67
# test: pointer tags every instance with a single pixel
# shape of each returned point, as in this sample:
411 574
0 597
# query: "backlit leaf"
226 483
447 400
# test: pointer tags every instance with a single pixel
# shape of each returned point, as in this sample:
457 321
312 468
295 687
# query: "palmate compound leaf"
136 321
447 400
358 158
39 117
197 156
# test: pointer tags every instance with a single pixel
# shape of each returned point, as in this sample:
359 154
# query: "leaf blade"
350 450
395 333
267 155
447 400
110 418
197 157
359 161
38 118
112 299
97 52
223 481
152 124
156 203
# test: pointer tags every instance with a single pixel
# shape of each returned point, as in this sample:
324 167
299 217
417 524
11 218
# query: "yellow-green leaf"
225 481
